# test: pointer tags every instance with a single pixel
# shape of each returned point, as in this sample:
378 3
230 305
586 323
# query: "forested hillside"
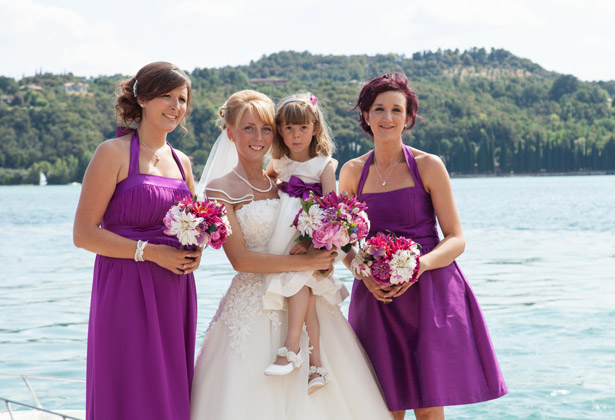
483 112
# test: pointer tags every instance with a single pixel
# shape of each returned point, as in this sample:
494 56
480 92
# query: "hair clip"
134 88
313 99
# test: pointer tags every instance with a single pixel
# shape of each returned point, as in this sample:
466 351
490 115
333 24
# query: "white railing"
38 407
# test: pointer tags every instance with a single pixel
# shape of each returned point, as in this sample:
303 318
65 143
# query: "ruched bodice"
141 201
416 221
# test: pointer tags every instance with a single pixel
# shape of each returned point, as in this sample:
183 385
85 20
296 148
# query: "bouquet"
199 223
333 221
388 259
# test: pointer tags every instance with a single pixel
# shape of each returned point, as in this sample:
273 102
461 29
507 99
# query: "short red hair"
384 83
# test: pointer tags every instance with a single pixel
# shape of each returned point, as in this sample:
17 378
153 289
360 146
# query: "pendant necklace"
252 186
385 179
156 154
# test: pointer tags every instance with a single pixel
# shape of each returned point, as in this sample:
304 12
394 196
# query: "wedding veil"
220 180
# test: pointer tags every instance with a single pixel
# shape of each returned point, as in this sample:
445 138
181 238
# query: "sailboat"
42 179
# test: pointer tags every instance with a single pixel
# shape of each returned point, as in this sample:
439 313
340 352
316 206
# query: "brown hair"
302 108
152 81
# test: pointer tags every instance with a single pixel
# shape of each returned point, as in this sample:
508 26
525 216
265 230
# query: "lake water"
540 256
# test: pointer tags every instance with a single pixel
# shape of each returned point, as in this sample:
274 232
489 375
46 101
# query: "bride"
229 383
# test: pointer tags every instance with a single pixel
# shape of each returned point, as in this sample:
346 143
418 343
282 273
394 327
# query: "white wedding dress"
242 339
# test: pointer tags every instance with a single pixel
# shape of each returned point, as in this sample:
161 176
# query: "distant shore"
528 174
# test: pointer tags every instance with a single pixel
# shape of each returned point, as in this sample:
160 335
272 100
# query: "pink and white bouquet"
201 223
333 221
388 259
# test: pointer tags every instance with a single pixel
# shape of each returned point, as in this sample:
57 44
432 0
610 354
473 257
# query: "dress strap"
134 156
414 170
364 173
179 164
133 169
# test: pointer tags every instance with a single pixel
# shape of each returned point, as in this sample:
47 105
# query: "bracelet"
139 251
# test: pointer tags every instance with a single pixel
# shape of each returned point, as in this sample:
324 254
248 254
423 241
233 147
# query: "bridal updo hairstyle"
152 81
384 83
300 109
231 112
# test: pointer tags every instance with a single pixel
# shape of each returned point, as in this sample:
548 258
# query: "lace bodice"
257 220
243 302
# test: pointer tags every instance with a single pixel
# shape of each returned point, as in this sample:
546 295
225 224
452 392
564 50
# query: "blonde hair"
230 114
302 108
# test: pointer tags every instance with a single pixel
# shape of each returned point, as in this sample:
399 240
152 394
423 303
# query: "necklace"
155 153
385 179
252 186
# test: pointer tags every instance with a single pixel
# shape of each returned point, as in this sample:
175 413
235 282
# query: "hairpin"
134 88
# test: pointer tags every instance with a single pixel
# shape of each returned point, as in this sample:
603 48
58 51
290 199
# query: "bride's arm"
248 261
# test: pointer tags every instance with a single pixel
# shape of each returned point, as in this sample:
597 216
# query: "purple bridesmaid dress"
430 347
141 336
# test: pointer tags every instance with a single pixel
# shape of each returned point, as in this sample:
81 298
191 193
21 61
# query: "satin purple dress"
430 347
142 328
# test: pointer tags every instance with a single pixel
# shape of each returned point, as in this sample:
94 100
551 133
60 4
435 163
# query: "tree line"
483 112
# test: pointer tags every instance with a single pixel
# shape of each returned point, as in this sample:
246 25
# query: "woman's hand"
380 292
178 261
322 259
400 289
193 260
300 248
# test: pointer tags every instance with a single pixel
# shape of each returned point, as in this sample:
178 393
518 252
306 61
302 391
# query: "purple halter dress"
141 336
430 347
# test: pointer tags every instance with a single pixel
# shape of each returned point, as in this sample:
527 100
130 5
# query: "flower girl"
302 149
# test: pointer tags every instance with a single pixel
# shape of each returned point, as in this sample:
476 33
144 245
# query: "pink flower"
325 236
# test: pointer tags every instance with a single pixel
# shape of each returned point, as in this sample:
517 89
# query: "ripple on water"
541 268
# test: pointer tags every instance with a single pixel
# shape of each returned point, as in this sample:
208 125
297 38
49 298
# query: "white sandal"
319 381
294 361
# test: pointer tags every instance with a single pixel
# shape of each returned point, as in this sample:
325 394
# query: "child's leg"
297 310
313 329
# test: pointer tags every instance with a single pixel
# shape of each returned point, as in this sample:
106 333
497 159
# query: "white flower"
414 248
358 266
184 226
403 263
308 222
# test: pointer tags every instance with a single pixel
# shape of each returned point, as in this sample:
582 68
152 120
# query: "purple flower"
381 272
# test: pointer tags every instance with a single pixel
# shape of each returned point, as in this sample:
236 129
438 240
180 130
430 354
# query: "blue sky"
93 37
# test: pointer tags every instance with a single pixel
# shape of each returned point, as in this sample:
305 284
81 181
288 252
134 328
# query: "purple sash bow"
295 187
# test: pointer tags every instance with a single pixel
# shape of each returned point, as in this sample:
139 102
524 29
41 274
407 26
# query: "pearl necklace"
384 180
252 186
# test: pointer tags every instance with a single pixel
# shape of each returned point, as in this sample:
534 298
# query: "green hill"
483 112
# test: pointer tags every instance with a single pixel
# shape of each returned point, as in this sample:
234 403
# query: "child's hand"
320 273
300 248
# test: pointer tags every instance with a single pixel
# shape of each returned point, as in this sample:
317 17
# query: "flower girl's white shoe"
294 361
319 381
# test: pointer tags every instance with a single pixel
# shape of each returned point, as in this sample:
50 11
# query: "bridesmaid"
428 343
141 335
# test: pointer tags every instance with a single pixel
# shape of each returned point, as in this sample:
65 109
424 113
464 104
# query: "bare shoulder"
351 173
116 151
353 167
227 187
431 168
183 158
